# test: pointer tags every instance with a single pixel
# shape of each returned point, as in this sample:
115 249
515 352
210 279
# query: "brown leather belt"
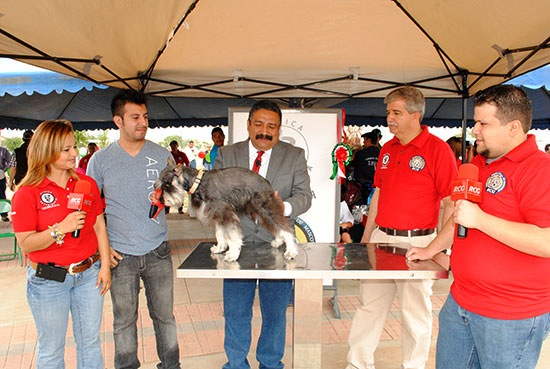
75 268
407 233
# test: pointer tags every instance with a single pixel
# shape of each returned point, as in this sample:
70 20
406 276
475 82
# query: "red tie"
258 162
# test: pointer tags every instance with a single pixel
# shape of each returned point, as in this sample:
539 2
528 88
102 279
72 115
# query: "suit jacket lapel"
243 155
274 162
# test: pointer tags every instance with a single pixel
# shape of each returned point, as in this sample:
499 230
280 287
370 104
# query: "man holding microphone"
414 174
498 312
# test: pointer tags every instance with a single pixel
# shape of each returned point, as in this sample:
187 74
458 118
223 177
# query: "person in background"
413 177
179 156
18 164
126 171
218 137
64 275
191 152
498 312
5 159
92 147
364 163
547 149
285 167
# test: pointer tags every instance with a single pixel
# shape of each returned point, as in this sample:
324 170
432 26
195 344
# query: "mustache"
265 137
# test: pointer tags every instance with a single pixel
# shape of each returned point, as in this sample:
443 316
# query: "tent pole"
465 96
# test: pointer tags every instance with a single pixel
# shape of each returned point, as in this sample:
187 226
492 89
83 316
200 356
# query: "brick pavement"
200 325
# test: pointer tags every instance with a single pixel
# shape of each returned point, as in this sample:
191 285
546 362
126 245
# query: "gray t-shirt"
127 182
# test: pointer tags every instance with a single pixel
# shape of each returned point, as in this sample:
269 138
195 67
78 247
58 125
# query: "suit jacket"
287 173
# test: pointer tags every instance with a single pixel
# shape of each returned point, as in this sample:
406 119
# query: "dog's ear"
171 162
178 169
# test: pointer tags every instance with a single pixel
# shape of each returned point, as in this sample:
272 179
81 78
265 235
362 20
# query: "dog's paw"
218 249
290 253
277 242
232 255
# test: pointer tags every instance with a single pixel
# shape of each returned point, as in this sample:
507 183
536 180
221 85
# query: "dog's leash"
196 182
156 204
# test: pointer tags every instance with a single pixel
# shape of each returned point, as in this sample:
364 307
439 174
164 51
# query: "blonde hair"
45 147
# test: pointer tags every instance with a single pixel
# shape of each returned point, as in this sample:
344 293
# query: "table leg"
308 314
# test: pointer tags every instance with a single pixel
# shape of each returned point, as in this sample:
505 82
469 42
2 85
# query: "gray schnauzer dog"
220 196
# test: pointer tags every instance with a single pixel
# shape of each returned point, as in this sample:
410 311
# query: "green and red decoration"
341 154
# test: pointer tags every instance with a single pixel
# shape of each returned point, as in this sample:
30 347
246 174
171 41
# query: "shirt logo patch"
495 183
417 163
47 198
385 160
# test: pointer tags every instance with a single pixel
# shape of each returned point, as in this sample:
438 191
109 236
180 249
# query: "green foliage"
82 138
12 143
103 139
168 139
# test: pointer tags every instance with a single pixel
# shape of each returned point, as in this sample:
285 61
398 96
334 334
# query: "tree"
82 138
103 139
168 139
12 143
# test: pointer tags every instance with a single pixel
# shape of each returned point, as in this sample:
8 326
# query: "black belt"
407 233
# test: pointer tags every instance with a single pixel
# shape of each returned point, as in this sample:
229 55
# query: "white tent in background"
284 49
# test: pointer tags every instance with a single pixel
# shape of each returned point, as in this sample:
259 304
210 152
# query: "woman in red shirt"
64 273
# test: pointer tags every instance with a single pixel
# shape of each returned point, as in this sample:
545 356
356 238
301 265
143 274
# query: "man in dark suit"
285 167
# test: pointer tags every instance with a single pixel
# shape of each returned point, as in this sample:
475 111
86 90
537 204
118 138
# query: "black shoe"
5 219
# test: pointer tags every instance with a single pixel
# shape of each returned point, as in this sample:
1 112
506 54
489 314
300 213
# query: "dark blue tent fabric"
88 105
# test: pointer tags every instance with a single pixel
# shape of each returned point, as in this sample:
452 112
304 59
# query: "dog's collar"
196 182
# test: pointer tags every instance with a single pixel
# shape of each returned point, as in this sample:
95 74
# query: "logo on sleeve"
417 163
495 183
385 161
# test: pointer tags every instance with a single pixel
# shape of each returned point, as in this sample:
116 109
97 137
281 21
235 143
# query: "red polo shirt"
180 158
83 163
412 179
36 208
490 278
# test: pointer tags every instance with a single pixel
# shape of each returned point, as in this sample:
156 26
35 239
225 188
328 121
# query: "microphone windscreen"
83 187
468 171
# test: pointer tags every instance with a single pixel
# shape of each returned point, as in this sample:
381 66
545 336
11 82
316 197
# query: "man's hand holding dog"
115 257
278 198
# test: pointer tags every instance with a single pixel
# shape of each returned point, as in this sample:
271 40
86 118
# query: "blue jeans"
238 298
50 303
155 269
468 340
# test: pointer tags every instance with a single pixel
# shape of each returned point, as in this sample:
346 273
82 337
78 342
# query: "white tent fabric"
281 49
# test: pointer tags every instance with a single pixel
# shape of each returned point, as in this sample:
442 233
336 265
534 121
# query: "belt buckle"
70 269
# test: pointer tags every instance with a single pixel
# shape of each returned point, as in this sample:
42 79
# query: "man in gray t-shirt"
126 171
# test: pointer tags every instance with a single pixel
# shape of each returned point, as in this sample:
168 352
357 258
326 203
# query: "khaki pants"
376 298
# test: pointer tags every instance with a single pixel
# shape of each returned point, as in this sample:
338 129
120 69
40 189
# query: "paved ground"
198 309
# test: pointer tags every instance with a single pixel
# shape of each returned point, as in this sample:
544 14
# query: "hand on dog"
115 257
278 198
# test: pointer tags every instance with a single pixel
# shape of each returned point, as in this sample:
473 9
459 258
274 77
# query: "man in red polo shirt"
498 312
414 174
